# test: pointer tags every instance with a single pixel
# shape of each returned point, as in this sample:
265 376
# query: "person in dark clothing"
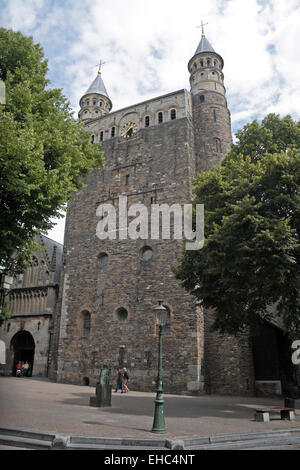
126 378
120 381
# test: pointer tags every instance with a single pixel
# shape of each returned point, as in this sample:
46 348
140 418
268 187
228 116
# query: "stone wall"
228 362
155 165
180 101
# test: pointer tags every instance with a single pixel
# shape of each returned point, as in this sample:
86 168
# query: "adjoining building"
27 334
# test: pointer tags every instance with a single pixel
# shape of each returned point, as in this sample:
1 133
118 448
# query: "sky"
146 46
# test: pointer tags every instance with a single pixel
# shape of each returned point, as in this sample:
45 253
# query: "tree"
44 152
250 259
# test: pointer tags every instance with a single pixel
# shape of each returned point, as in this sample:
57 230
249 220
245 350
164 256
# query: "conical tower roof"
204 46
97 87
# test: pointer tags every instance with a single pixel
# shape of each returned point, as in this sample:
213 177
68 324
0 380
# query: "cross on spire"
100 65
202 26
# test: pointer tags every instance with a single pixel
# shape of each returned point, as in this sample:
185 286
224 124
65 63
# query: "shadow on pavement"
185 407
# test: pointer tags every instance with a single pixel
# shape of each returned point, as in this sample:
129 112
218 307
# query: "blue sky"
147 46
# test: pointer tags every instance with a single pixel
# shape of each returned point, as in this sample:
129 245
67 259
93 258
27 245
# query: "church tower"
212 125
95 102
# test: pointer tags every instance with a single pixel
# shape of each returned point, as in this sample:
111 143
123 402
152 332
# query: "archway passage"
23 346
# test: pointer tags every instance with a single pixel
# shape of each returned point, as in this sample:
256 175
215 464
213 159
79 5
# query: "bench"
264 413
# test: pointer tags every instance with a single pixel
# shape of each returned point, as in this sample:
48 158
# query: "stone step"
254 443
121 442
25 442
27 433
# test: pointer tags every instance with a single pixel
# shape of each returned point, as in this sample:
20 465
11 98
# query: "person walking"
126 378
120 381
18 369
26 367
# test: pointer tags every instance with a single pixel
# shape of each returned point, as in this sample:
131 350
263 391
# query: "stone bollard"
60 442
175 444
103 396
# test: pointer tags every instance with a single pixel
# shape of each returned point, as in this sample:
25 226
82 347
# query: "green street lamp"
159 419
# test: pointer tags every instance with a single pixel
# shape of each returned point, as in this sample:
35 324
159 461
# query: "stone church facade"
109 288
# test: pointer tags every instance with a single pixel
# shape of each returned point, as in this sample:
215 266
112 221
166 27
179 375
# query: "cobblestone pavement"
47 406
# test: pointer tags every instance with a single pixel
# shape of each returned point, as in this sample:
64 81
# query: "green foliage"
250 259
4 312
44 152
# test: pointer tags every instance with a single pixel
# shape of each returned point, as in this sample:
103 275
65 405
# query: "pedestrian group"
23 369
122 380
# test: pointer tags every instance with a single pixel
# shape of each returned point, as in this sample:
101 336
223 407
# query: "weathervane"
202 26
101 63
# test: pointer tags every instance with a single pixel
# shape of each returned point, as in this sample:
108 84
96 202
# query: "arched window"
103 259
160 117
87 103
122 314
86 324
208 62
202 98
101 104
201 63
173 114
94 102
31 275
215 115
93 139
113 131
101 136
147 121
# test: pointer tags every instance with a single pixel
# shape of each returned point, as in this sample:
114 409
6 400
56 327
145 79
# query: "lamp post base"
159 418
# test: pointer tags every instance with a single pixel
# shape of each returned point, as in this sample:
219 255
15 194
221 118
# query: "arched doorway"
22 343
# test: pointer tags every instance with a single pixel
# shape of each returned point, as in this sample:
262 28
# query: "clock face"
129 129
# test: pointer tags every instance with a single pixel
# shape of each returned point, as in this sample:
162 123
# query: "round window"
147 253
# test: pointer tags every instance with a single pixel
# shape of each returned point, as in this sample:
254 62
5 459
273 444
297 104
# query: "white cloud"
20 15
